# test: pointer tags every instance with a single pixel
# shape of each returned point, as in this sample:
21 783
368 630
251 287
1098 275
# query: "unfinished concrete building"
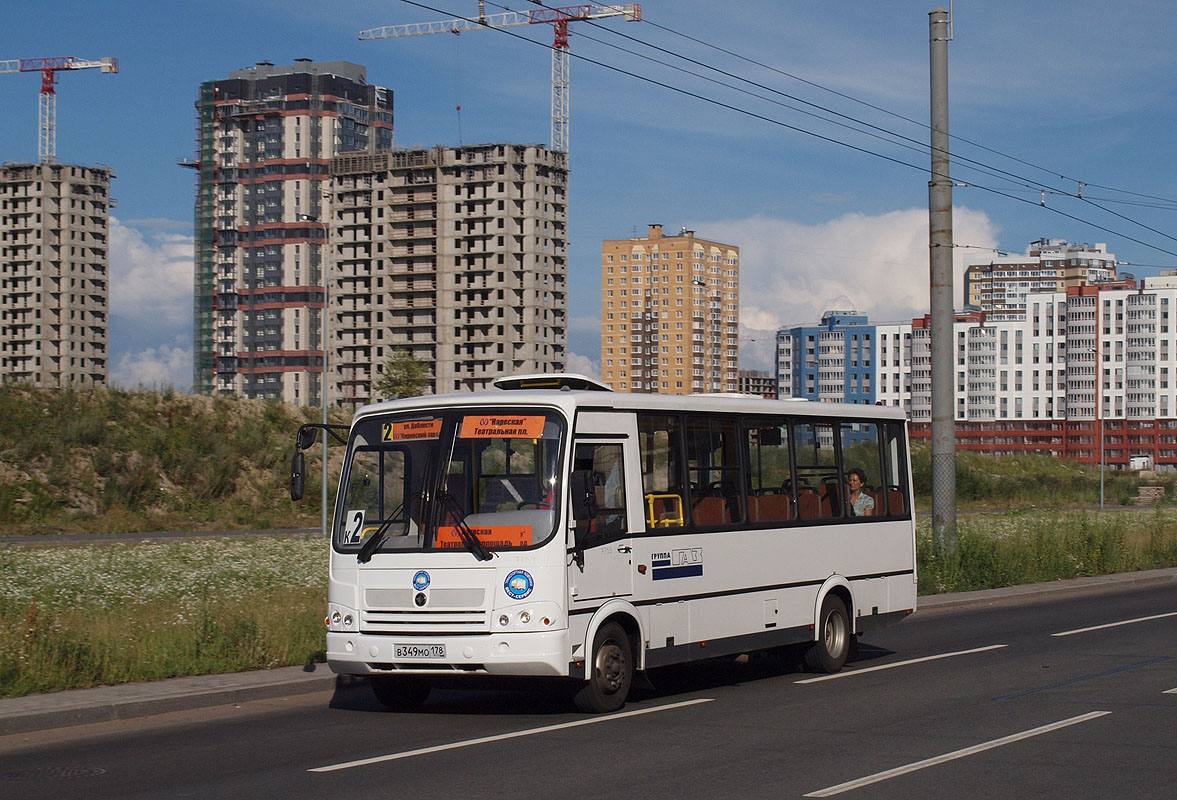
455 255
54 274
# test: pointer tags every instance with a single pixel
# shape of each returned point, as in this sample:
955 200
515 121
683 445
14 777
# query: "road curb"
958 599
127 701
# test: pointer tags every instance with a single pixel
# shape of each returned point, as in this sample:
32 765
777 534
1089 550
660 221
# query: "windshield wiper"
377 538
469 537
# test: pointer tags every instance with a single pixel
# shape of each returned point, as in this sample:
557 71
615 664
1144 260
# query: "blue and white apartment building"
831 361
1087 372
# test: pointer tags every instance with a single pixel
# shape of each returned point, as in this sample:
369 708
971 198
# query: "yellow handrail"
677 503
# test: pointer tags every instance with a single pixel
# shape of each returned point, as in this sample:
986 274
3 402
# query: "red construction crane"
557 17
47 116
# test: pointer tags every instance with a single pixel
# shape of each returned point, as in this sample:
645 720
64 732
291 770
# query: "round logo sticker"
519 584
421 580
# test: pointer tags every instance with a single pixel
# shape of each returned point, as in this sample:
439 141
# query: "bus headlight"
340 618
525 617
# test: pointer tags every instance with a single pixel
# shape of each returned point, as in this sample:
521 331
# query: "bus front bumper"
531 653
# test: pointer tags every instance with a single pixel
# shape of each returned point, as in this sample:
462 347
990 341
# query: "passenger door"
606 568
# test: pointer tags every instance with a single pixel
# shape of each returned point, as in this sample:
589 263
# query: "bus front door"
602 566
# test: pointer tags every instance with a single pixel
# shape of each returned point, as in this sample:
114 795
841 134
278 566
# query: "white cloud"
162 367
878 265
152 277
150 305
583 365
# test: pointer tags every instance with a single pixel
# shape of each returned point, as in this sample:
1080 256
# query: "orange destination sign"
491 536
506 427
413 429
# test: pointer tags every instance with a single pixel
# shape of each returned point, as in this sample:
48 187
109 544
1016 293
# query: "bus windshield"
475 479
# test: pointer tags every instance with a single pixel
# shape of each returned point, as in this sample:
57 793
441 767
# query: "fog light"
525 617
504 620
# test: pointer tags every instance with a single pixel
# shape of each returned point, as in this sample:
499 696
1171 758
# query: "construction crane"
558 18
47 116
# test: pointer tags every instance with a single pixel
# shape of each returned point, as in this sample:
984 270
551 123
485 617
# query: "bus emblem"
421 581
519 584
684 563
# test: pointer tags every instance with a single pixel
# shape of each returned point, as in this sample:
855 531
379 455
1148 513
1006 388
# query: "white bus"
556 528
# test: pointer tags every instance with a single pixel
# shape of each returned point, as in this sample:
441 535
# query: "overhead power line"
1041 188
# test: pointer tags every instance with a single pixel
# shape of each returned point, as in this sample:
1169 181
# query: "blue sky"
1079 89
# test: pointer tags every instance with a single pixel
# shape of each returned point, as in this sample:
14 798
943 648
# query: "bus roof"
572 392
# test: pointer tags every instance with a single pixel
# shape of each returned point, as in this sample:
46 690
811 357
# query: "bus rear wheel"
610 672
832 647
400 692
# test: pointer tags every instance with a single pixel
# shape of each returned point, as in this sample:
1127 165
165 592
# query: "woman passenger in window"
861 504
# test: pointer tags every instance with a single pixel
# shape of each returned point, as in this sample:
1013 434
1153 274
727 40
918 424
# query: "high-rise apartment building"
999 286
1094 362
266 136
455 255
54 273
670 312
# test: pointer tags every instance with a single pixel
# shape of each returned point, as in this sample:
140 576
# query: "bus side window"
770 496
713 465
894 466
861 451
660 450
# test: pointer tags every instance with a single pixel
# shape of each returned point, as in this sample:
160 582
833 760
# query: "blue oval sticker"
421 581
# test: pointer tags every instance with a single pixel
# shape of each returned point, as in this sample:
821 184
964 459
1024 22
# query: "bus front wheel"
400 692
610 672
832 647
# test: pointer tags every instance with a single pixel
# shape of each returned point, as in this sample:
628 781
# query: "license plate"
419 650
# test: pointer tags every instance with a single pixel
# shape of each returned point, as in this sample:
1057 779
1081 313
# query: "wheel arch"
624 614
838 586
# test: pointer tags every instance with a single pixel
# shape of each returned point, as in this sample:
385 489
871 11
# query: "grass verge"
73 617
1020 547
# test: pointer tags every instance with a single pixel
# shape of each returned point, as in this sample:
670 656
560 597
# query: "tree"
404 376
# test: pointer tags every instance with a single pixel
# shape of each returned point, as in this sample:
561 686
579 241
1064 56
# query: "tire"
610 672
400 692
832 647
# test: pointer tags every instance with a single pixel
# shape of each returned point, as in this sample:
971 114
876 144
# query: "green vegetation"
1034 546
73 617
108 461
1035 480
404 376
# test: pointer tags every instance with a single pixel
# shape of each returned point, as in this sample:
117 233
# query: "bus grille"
392 611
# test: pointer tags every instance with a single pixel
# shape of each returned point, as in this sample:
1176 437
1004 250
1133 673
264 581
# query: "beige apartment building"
54 274
670 311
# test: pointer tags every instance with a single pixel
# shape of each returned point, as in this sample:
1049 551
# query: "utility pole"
942 315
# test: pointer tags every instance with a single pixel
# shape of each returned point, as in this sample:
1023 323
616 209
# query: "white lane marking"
500 737
968 751
853 672
1115 624
1169 691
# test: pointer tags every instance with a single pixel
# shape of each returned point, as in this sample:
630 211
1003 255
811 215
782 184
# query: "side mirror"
297 470
584 496
306 437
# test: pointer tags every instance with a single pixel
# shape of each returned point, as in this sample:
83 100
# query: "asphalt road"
1018 697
